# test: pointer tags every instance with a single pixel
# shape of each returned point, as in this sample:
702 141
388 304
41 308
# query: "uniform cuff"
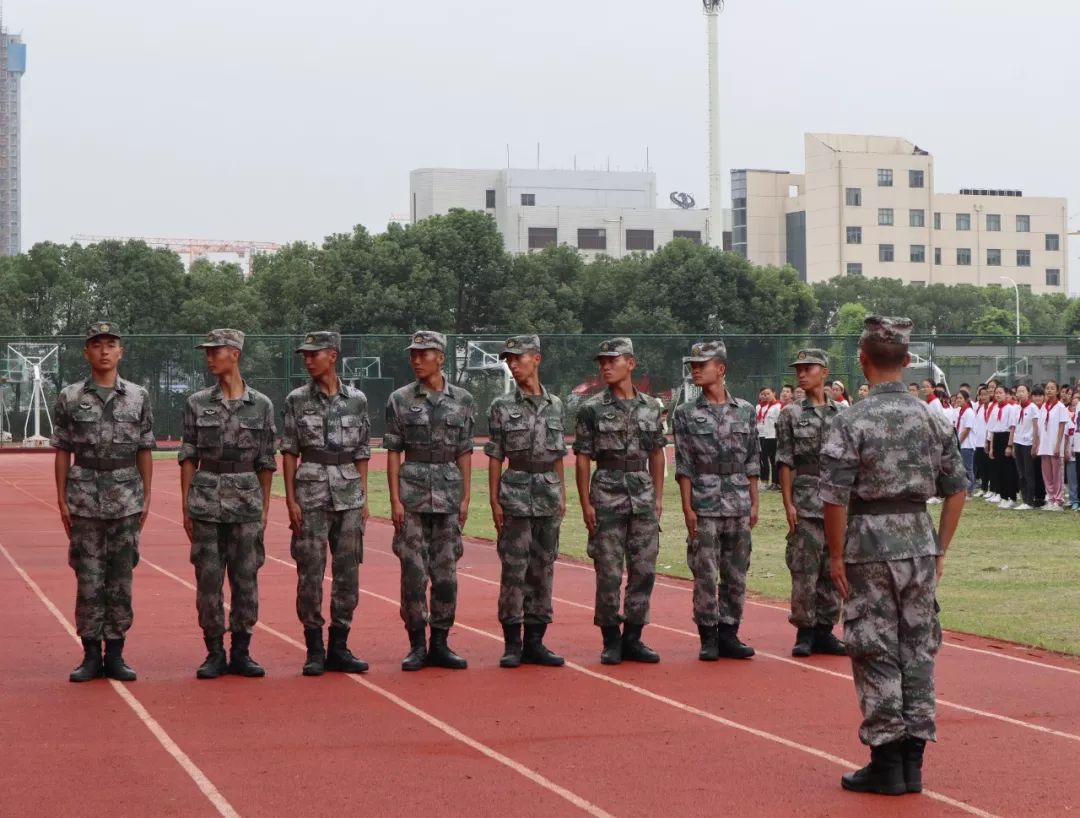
393 443
834 495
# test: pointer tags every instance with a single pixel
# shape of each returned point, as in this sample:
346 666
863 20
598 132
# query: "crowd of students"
1019 443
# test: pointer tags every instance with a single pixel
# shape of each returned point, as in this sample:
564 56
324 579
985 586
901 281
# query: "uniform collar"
888 386
520 396
609 396
313 389
120 387
703 401
215 394
829 404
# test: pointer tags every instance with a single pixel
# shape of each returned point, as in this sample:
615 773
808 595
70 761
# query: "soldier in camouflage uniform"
881 461
528 501
104 498
430 421
227 463
800 430
717 464
327 428
621 430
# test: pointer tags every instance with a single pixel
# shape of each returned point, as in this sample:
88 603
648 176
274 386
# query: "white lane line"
205 785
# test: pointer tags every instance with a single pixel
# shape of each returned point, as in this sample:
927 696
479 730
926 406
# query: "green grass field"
1010 575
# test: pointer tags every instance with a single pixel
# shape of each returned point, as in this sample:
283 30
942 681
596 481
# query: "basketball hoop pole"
37 395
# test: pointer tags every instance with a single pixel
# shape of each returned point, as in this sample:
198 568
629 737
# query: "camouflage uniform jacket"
214 431
315 420
116 428
890 446
521 429
435 423
800 431
717 434
606 429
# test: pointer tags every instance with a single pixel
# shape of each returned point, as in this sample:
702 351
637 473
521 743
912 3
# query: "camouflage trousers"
892 633
103 554
814 598
719 557
527 549
429 546
633 541
235 549
344 531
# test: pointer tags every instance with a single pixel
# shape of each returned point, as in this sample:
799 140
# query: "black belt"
325 458
103 463
532 466
808 470
869 508
720 468
226 466
621 463
432 457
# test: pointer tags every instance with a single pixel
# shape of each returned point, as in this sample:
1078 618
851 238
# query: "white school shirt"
767 417
980 423
1000 416
966 420
1074 438
1025 430
935 404
1049 420
950 414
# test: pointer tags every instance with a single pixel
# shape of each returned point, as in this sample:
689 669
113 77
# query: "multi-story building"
607 212
866 205
12 67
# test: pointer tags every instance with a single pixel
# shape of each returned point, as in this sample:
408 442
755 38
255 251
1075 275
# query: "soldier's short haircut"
883 354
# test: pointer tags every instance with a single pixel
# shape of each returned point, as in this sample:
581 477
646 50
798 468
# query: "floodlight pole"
716 174
1016 290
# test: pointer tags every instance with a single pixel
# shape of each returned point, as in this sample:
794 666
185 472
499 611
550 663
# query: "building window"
639 239
963 256
854 268
993 258
937 221
1053 242
1053 278
854 235
528 200
885 216
590 238
918 254
885 252
853 197
917 218
489 196
1023 258
937 255
993 223
541 237
693 235
963 221
884 177
916 178
1023 224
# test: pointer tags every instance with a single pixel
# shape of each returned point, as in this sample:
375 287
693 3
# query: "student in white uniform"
1003 476
1021 431
1053 418
964 424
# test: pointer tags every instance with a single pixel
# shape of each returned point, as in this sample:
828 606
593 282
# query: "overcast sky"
272 120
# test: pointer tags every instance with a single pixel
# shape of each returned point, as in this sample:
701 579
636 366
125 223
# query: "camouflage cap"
223 338
323 339
426 339
519 344
887 330
811 355
707 351
102 328
615 347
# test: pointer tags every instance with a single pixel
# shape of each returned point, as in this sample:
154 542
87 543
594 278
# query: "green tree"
849 319
995 321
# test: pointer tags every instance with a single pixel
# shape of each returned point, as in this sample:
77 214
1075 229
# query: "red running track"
765 737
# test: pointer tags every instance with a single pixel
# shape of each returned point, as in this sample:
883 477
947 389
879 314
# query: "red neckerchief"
1049 408
1001 408
986 411
960 415
1024 404
931 398
763 410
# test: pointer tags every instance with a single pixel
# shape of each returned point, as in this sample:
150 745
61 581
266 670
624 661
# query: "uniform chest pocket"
351 427
555 438
84 425
251 432
806 437
647 429
125 426
611 433
208 431
454 425
311 430
416 428
516 433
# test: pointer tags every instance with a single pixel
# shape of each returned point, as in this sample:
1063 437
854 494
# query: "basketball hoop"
33 362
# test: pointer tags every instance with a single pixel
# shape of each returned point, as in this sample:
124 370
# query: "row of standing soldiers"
854 486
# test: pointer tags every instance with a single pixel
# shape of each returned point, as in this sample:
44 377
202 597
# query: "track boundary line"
201 780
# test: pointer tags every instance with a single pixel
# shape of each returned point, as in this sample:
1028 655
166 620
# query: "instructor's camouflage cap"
887 330
811 355
519 344
102 328
426 339
616 347
314 341
223 338
707 351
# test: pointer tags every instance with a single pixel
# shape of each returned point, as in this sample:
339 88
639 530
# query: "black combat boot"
338 656
710 643
536 652
240 661
730 646
417 657
883 775
215 663
912 751
612 652
115 666
91 667
804 642
513 648
316 653
633 649
826 642
439 653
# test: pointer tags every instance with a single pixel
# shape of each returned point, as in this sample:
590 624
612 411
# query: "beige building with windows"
866 205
